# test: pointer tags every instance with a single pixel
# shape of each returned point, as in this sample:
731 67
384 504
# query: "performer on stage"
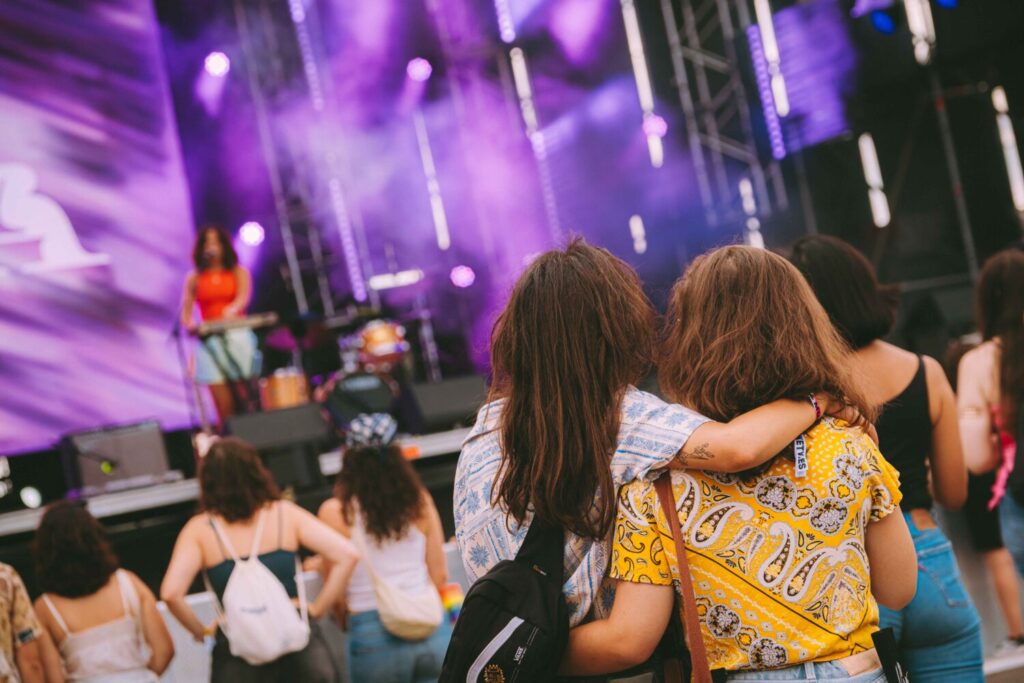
222 289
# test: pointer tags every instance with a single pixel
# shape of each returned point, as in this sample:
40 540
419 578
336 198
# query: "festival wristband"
814 404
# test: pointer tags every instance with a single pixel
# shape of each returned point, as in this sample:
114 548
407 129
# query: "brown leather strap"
691 620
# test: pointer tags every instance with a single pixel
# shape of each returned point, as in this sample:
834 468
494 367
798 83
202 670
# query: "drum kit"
361 345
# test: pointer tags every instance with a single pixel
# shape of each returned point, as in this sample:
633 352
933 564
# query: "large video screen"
95 228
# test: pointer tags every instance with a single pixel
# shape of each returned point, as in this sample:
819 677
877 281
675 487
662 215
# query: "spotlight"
883 21
655 125
419 69
948 4
31 497
252 233
217 64
462 276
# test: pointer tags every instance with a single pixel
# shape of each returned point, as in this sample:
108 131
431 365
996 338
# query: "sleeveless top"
215 290
280 562
402 563
114 652
905 437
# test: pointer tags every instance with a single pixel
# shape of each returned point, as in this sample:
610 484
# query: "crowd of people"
806 457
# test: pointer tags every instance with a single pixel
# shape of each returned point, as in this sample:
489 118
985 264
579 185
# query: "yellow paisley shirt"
778 561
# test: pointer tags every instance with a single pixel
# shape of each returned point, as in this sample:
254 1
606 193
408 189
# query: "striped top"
651 432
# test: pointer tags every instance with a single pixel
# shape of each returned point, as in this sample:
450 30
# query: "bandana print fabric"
778 562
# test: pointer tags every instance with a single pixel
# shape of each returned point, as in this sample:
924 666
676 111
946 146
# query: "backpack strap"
691 620
544 548
222 539
254 552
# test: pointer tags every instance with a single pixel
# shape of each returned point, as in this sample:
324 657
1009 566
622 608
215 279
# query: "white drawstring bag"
409 616
256 614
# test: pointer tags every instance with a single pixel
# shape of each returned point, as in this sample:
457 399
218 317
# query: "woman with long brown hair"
990 392
565 426
786 561
381 504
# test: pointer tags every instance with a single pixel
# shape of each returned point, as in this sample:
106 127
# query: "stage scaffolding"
291 91
702 38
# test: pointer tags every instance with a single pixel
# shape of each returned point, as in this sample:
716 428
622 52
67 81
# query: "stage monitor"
115 458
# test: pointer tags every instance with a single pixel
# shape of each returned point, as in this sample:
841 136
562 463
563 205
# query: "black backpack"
514 625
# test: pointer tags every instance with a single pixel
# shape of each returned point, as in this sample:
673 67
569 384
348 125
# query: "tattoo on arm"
699 453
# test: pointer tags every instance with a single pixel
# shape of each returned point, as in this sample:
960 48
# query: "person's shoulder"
330 512
834 434
139 585
984 354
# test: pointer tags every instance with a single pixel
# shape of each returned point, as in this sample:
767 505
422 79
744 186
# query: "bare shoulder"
140 587
330 512
934 372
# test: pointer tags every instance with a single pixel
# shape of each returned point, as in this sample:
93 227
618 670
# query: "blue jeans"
811 671
939 632
376 656
1011 519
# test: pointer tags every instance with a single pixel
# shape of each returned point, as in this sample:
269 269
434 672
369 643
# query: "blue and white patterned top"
651 432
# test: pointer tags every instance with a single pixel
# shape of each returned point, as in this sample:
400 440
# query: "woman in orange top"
221 287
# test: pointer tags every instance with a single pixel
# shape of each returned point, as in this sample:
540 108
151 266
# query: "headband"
371 430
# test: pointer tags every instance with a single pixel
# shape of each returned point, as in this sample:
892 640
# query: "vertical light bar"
309 65
521 78
1008 140
771 115
506 27
638 233
777 83
437 211
644 92
922 28
880 213
753 236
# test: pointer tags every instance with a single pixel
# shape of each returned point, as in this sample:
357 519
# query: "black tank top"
905 439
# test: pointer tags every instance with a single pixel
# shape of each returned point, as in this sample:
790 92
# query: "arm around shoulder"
750 439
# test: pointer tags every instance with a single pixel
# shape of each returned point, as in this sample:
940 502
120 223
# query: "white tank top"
114 652
402 563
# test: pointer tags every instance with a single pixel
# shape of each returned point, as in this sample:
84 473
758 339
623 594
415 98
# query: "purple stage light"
419 69
655 125
217 64
252 233
462 276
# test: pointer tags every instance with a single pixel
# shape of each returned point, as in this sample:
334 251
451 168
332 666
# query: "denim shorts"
811 671
376 656
233 355
939 632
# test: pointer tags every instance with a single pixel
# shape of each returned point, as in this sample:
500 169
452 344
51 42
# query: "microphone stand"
193 398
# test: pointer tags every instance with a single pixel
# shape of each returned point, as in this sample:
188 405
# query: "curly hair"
230 258
233 482
386 488
71 551
744 329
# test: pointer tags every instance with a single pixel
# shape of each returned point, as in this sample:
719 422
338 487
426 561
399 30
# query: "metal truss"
702 37
281 54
